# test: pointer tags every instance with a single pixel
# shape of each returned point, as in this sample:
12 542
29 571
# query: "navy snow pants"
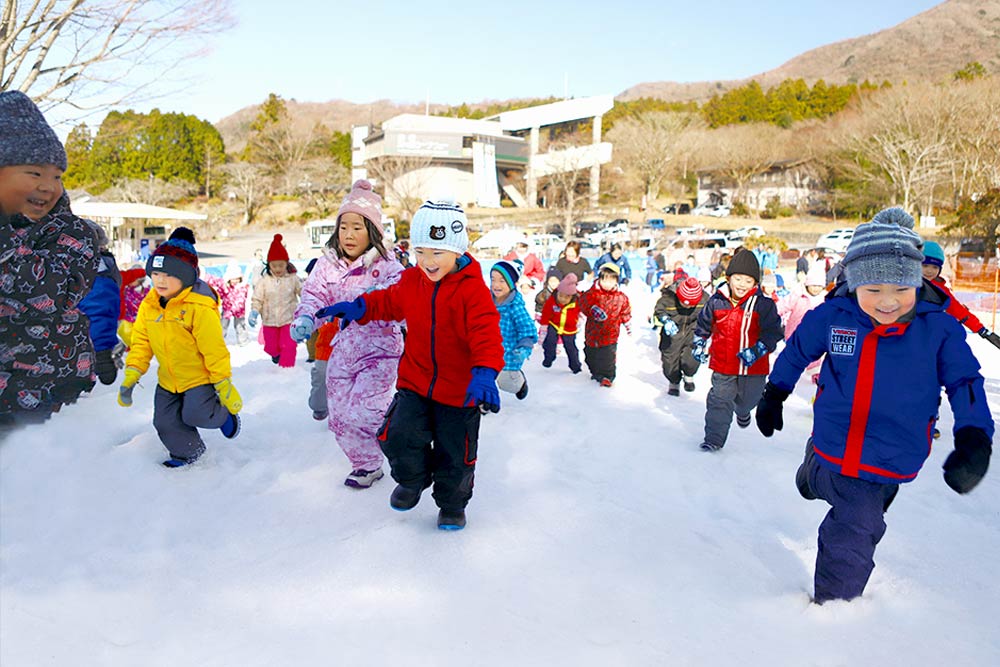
569 344
177 418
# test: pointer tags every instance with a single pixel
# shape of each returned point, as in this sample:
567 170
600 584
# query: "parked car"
698 241
583 228
745 232
656 223
687 231
838 239
683 208
714 210
720 212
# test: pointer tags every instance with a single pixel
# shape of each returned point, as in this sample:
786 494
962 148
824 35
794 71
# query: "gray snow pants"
729 393
177 418
239 328
317 391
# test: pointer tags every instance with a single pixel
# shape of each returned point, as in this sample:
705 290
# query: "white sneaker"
362 479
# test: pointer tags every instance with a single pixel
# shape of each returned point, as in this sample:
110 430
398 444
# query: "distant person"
607 310
802 264
48 262
275 297
560 318
179 324
102 305
571 262
516 327
616 256
233 292
534 270
676 315
552 278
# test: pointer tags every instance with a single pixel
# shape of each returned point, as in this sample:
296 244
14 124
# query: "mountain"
931 46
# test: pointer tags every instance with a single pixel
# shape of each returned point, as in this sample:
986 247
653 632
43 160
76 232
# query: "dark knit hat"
553 272
176 257
510 269
744 263
277 250
25 137
885 251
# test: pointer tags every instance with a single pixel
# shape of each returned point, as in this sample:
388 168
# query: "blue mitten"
699 349
347 311
670 327
750 355
252 320
302 327
522 352
483 390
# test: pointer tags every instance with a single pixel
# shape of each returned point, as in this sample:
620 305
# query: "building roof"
411 122
125 210
555 113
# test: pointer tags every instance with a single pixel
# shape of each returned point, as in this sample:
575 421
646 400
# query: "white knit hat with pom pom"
440 224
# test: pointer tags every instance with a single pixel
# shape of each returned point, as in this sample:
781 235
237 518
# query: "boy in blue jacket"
890 346
516 326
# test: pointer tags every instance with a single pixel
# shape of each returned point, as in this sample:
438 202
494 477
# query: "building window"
466 142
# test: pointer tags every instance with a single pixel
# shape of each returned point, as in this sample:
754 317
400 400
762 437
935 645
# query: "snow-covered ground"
598 535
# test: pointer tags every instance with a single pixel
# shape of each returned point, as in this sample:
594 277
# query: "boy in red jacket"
607 309
559 317
447 374
744 327
931 269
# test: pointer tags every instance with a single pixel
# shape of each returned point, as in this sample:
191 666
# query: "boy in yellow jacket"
178 322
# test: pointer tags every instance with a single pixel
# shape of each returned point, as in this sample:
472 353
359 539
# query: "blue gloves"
347 311
522 352
750 355
302 327
670 327
699 349
252 320
483 390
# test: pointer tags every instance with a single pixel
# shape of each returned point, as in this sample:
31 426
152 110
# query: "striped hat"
510 270
440 225
885 251
689 291
176 257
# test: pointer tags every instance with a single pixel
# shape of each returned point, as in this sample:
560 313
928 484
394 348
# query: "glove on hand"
228 396
990 336
670 327
107 371
132 376
769 409
302 327
522 352
347 311
699 349
966 466
483 390
750 355
252 320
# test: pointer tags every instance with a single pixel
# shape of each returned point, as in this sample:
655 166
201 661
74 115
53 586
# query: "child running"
516 326
560 317
275 298
178 323
607 310
676 312
360 370
447 374
890 346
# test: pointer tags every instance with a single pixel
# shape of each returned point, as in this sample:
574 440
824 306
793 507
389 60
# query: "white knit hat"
441 225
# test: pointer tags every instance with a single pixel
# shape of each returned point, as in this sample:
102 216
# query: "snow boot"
802 474
320 415
404 498
451 519
522 392
363 479
231 428
177 462
606 382
709 447
275 359
743 420
674 390
688 384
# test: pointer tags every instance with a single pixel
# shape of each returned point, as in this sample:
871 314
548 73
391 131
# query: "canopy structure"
128 225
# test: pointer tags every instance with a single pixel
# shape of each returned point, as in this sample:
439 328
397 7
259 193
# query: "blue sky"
401 49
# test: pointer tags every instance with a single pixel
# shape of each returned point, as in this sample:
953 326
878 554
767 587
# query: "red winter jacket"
451 326
606 312
735 327
956 309
533 267
565 319
129 276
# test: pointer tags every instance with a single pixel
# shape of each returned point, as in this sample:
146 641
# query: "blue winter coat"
518 330
102 305
625 274
879 387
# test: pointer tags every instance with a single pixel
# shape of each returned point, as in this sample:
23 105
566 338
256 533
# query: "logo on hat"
158 262
438 233
457 227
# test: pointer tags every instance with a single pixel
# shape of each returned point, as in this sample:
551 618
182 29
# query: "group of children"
888 334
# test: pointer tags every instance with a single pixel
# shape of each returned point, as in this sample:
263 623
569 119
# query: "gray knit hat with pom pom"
885 251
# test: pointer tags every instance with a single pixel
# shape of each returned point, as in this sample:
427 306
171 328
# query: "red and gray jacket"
451 326
957 309
733 327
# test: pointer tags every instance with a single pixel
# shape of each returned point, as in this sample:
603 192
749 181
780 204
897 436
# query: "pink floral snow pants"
357 403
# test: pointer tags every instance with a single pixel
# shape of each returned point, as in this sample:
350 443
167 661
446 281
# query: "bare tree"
652 146
284 147
567 174
974 150
740 152
150 190
249 184
71 51
404 180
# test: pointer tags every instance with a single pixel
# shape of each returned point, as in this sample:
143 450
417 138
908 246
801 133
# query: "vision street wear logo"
437 233
843 341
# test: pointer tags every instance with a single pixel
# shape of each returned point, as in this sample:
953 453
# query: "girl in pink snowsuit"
793 307
361 370
233 292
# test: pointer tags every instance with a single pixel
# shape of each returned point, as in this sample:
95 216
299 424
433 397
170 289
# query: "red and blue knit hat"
176 257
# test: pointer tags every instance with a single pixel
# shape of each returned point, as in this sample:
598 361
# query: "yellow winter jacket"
185 336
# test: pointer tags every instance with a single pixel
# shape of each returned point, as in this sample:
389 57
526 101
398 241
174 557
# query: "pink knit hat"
363 201
567 285
689 292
